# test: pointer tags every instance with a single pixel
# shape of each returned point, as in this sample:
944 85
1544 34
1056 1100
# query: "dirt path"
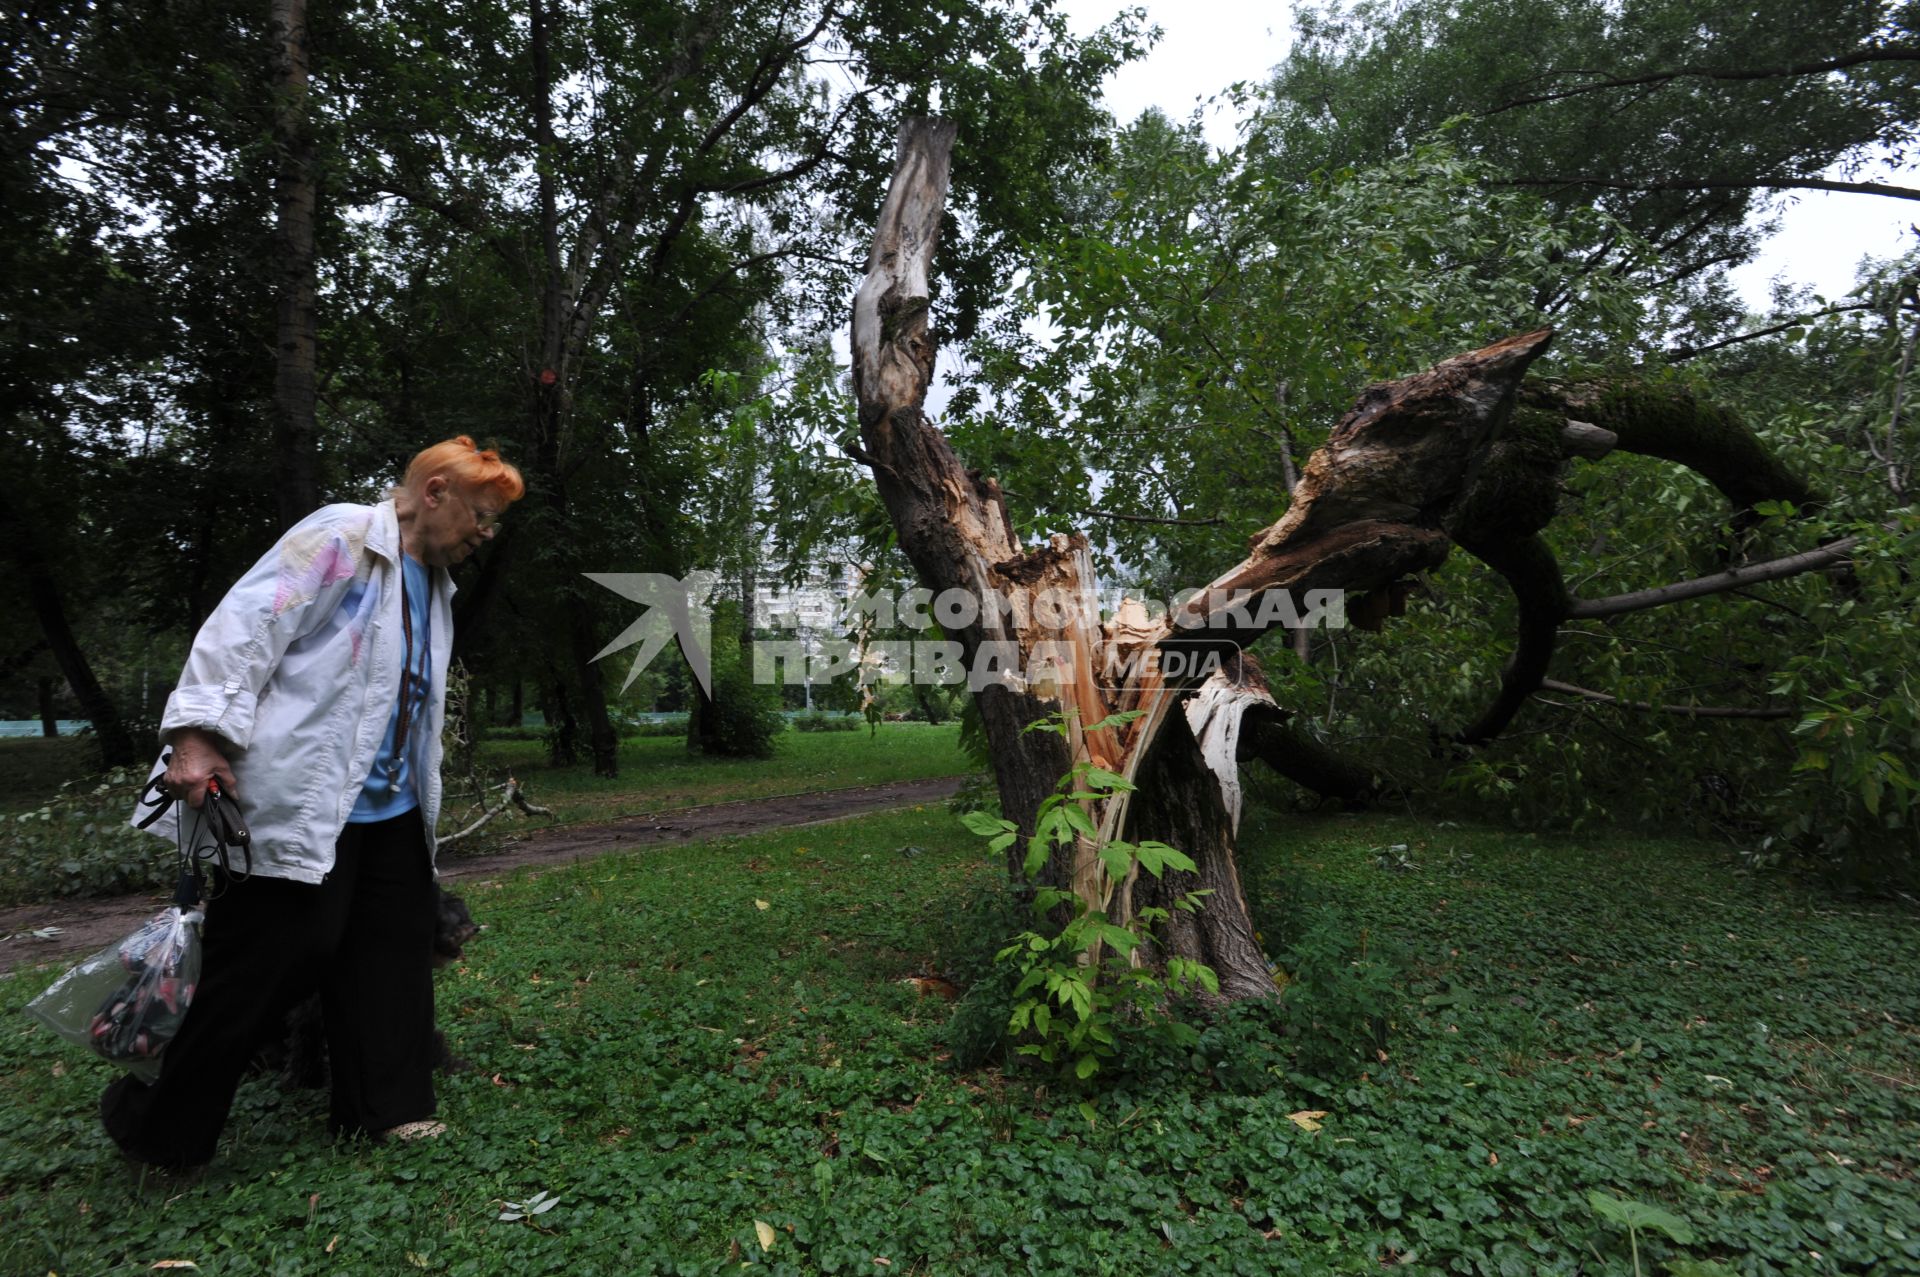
87 925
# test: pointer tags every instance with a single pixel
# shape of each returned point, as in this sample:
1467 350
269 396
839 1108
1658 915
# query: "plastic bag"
126 1002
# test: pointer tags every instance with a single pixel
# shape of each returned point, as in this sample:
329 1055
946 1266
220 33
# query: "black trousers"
363 937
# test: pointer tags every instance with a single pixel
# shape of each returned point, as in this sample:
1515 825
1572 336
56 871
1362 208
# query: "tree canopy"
616 239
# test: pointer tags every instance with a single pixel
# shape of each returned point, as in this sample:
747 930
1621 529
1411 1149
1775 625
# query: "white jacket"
303 693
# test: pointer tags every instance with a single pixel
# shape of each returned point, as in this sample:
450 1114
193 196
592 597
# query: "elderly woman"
315 694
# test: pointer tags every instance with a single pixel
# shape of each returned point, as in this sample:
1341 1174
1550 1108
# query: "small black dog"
299 1055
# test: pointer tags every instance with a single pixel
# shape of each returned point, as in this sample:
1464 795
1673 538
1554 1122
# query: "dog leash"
220 817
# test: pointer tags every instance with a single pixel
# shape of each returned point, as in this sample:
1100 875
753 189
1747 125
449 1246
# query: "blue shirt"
391 793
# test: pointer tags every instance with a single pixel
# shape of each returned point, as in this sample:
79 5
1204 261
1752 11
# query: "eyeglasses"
486 519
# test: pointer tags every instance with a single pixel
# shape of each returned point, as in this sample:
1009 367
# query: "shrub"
1339 998
818 722
79 844
744 718
1069 1011
964 938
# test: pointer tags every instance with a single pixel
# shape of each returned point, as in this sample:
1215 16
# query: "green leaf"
1086 1068
985 824
1157 857
1080 821
1637 1215
1120 719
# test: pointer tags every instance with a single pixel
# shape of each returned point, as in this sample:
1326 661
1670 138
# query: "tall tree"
643 167
295 434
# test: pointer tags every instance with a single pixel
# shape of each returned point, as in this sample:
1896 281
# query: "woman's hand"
197 759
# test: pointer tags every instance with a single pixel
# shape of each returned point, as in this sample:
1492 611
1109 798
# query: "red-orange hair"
468 464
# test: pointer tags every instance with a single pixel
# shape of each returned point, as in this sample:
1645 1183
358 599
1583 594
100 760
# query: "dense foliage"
1168 367
613 238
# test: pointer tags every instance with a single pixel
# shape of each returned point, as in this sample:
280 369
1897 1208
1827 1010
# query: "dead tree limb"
511 797
1670 423
1829 555
1514 498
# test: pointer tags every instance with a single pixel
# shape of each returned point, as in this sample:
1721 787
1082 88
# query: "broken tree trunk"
1419 465
1371 508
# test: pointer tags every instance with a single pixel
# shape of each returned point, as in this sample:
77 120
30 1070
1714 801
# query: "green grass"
657 772
85 848
675 1062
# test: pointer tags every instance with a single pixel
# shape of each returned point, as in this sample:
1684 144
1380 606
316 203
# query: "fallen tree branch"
1689 711
1670 423
514 797
1719 583
1533 574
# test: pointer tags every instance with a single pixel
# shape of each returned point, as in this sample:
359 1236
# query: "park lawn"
84 847
658 772
699 1050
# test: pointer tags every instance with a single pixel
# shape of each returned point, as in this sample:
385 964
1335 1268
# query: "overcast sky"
1209 44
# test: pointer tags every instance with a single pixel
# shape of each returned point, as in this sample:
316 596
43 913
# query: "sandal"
425 1129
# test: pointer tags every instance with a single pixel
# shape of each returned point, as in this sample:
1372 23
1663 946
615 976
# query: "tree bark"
1670 423
564 327
295 432
1179 803
1369 510
602 739
563 733
953 523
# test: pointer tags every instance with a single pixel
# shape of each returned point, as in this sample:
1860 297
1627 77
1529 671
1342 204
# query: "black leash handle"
220 816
